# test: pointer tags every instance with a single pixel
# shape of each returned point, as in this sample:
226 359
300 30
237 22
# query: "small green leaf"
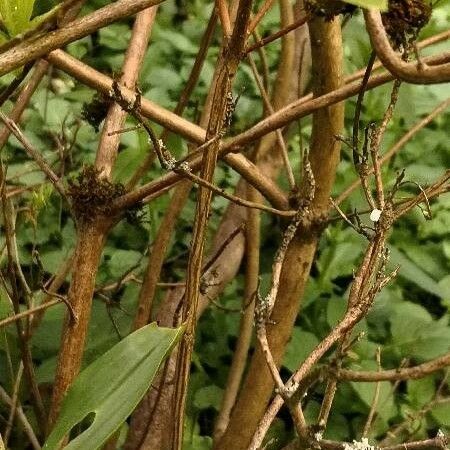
123 260
16 15
412 272
366 392
415 334
299 347
378 4
111 387
208 397
441 414
421 391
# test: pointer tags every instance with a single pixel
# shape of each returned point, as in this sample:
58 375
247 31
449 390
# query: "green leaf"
366 392
378 4
208 397
198 443
441 414
420 391
416 335
339 255
111 387
127 162
412 272
299 347
16 15
122 260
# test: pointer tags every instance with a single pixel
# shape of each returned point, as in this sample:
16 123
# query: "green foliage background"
410 319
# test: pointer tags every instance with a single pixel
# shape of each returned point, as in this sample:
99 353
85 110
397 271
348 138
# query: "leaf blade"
129 368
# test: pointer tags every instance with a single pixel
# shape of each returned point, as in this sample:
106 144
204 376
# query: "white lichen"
440 434
318 436
359 445
185 167
169 164
375 215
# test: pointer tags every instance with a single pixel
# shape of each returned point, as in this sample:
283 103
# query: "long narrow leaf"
112 386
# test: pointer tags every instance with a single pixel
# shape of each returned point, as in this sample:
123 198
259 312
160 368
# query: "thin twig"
6 399
259 15
29 312
398 145
277 35
376 396
14 403
280 138
222 8
33 153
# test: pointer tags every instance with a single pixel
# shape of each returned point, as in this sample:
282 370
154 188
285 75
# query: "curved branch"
417 73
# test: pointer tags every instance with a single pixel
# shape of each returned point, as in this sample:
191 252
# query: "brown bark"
326 47
32 49
92 234
240 354
155 411
86 260
228 64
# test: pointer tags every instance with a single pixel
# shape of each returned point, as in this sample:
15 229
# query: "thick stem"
116 115
240 353
91 235
86 260
326 43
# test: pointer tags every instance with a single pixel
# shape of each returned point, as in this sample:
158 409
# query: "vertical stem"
22 330
91 235
228 64
326 43
86 259
240 353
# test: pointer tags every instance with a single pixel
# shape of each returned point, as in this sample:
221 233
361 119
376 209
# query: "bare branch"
410 72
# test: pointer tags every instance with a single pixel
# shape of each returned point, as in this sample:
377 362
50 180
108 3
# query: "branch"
224 16
33 153
262 42
91 235
28 429
240 354
259 16
104 84
398 146
437 443
33 49
410 72
420 45
305 106
228 64
408 373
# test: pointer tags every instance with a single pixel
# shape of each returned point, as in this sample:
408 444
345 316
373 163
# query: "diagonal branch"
32 49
